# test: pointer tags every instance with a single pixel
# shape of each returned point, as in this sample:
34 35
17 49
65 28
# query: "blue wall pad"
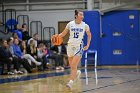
121 42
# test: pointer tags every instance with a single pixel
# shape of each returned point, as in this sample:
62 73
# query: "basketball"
56 40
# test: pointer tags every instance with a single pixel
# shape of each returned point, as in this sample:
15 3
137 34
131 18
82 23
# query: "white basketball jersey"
76 32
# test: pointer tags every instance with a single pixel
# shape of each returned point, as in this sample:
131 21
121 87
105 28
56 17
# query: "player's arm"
88 39
65 31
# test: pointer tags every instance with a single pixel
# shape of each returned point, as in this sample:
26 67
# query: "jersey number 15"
76 34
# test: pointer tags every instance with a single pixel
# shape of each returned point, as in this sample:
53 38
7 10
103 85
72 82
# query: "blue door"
120 45
132 36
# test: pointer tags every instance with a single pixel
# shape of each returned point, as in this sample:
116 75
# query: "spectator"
23 47
25 33
42 55
55 52
19 54
17 29
34 38
31 49
14 59
5 58
10 43
23 61
62 51
15 36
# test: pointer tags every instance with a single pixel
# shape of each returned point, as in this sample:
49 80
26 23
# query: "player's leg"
76 59
74 65
70 63
73 61
75 54
70 53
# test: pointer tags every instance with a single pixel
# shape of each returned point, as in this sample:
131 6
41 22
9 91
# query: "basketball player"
76 29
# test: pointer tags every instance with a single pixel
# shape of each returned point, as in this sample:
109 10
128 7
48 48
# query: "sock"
71 81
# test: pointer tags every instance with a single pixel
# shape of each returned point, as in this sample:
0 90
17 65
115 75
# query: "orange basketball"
56 40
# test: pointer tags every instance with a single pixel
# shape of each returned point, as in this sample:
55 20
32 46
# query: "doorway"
61 27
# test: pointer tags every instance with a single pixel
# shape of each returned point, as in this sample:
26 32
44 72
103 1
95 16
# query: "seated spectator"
5 58
62 51
15 36
55 52
23 47
23 61
34 38
14 59
25 33
19 54
17 29
42 55
31 49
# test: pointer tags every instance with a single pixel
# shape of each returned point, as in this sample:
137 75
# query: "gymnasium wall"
49 18
120 43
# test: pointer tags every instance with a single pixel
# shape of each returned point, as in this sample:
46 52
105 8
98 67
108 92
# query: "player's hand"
86 47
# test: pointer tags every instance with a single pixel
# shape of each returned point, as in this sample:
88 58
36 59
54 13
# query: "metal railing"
23 19
47 34
36 27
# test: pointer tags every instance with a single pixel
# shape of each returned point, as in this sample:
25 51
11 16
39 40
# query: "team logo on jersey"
77 29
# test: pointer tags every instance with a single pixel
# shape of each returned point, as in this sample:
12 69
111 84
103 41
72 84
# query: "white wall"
49 18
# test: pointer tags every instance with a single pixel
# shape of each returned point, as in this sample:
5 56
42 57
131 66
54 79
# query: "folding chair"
94 52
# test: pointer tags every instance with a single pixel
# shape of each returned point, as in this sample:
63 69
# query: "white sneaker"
38 63
10 73
69 84
62 68
57 68
15 71
19 72
78 74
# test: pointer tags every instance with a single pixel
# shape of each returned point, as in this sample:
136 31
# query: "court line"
36 76
110 85
32 77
